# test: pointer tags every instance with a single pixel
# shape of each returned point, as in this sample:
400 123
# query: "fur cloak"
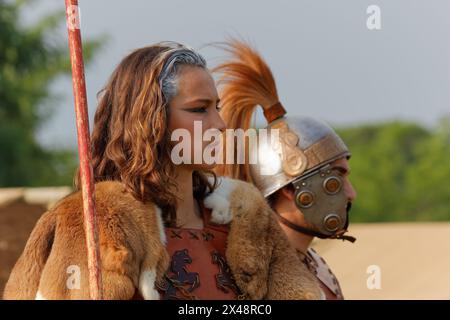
133 253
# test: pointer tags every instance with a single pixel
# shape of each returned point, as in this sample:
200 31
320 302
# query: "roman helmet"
297 151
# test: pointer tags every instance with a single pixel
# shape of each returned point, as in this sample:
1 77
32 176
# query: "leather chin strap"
313 233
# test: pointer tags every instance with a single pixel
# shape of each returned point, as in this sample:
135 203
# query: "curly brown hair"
130 141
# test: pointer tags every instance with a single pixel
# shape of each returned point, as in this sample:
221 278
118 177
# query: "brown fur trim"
263 262
133 254
130 243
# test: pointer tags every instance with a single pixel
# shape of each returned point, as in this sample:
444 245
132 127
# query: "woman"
166 230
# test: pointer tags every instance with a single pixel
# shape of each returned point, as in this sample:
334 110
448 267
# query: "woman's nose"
218 123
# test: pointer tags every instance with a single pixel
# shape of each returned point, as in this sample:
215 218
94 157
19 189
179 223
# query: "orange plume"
245 82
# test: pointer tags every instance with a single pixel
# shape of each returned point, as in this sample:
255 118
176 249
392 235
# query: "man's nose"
350 191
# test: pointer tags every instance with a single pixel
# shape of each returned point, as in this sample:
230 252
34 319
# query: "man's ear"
288 192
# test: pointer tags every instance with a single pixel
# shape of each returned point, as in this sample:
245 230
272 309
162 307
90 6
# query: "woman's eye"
218 108
199 110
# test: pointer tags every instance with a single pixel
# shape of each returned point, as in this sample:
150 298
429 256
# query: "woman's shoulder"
234 199
121 218
111 198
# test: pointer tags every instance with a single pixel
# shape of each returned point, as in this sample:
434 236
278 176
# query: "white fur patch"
219 201
162 233
39 296
322 295
147 285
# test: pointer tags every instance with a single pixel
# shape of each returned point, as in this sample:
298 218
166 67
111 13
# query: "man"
302 169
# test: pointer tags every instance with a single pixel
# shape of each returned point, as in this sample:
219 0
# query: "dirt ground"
412 260
16 222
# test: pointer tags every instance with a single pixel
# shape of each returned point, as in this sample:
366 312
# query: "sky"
326 61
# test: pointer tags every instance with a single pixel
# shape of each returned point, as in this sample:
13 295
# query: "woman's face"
197 101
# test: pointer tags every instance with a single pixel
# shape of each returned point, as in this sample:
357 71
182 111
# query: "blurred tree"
30 58
429 179
400 171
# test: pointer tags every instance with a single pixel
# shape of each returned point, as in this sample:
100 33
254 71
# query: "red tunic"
198 268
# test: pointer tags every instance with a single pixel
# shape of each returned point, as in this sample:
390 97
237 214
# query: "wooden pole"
84 152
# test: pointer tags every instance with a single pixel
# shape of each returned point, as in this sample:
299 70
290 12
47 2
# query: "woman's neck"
188 211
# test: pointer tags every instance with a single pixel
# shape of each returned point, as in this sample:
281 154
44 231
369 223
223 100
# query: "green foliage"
30 59
401 171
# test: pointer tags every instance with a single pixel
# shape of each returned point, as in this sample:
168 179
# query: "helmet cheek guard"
321 198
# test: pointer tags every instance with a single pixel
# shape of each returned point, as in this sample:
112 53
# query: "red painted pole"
84 152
